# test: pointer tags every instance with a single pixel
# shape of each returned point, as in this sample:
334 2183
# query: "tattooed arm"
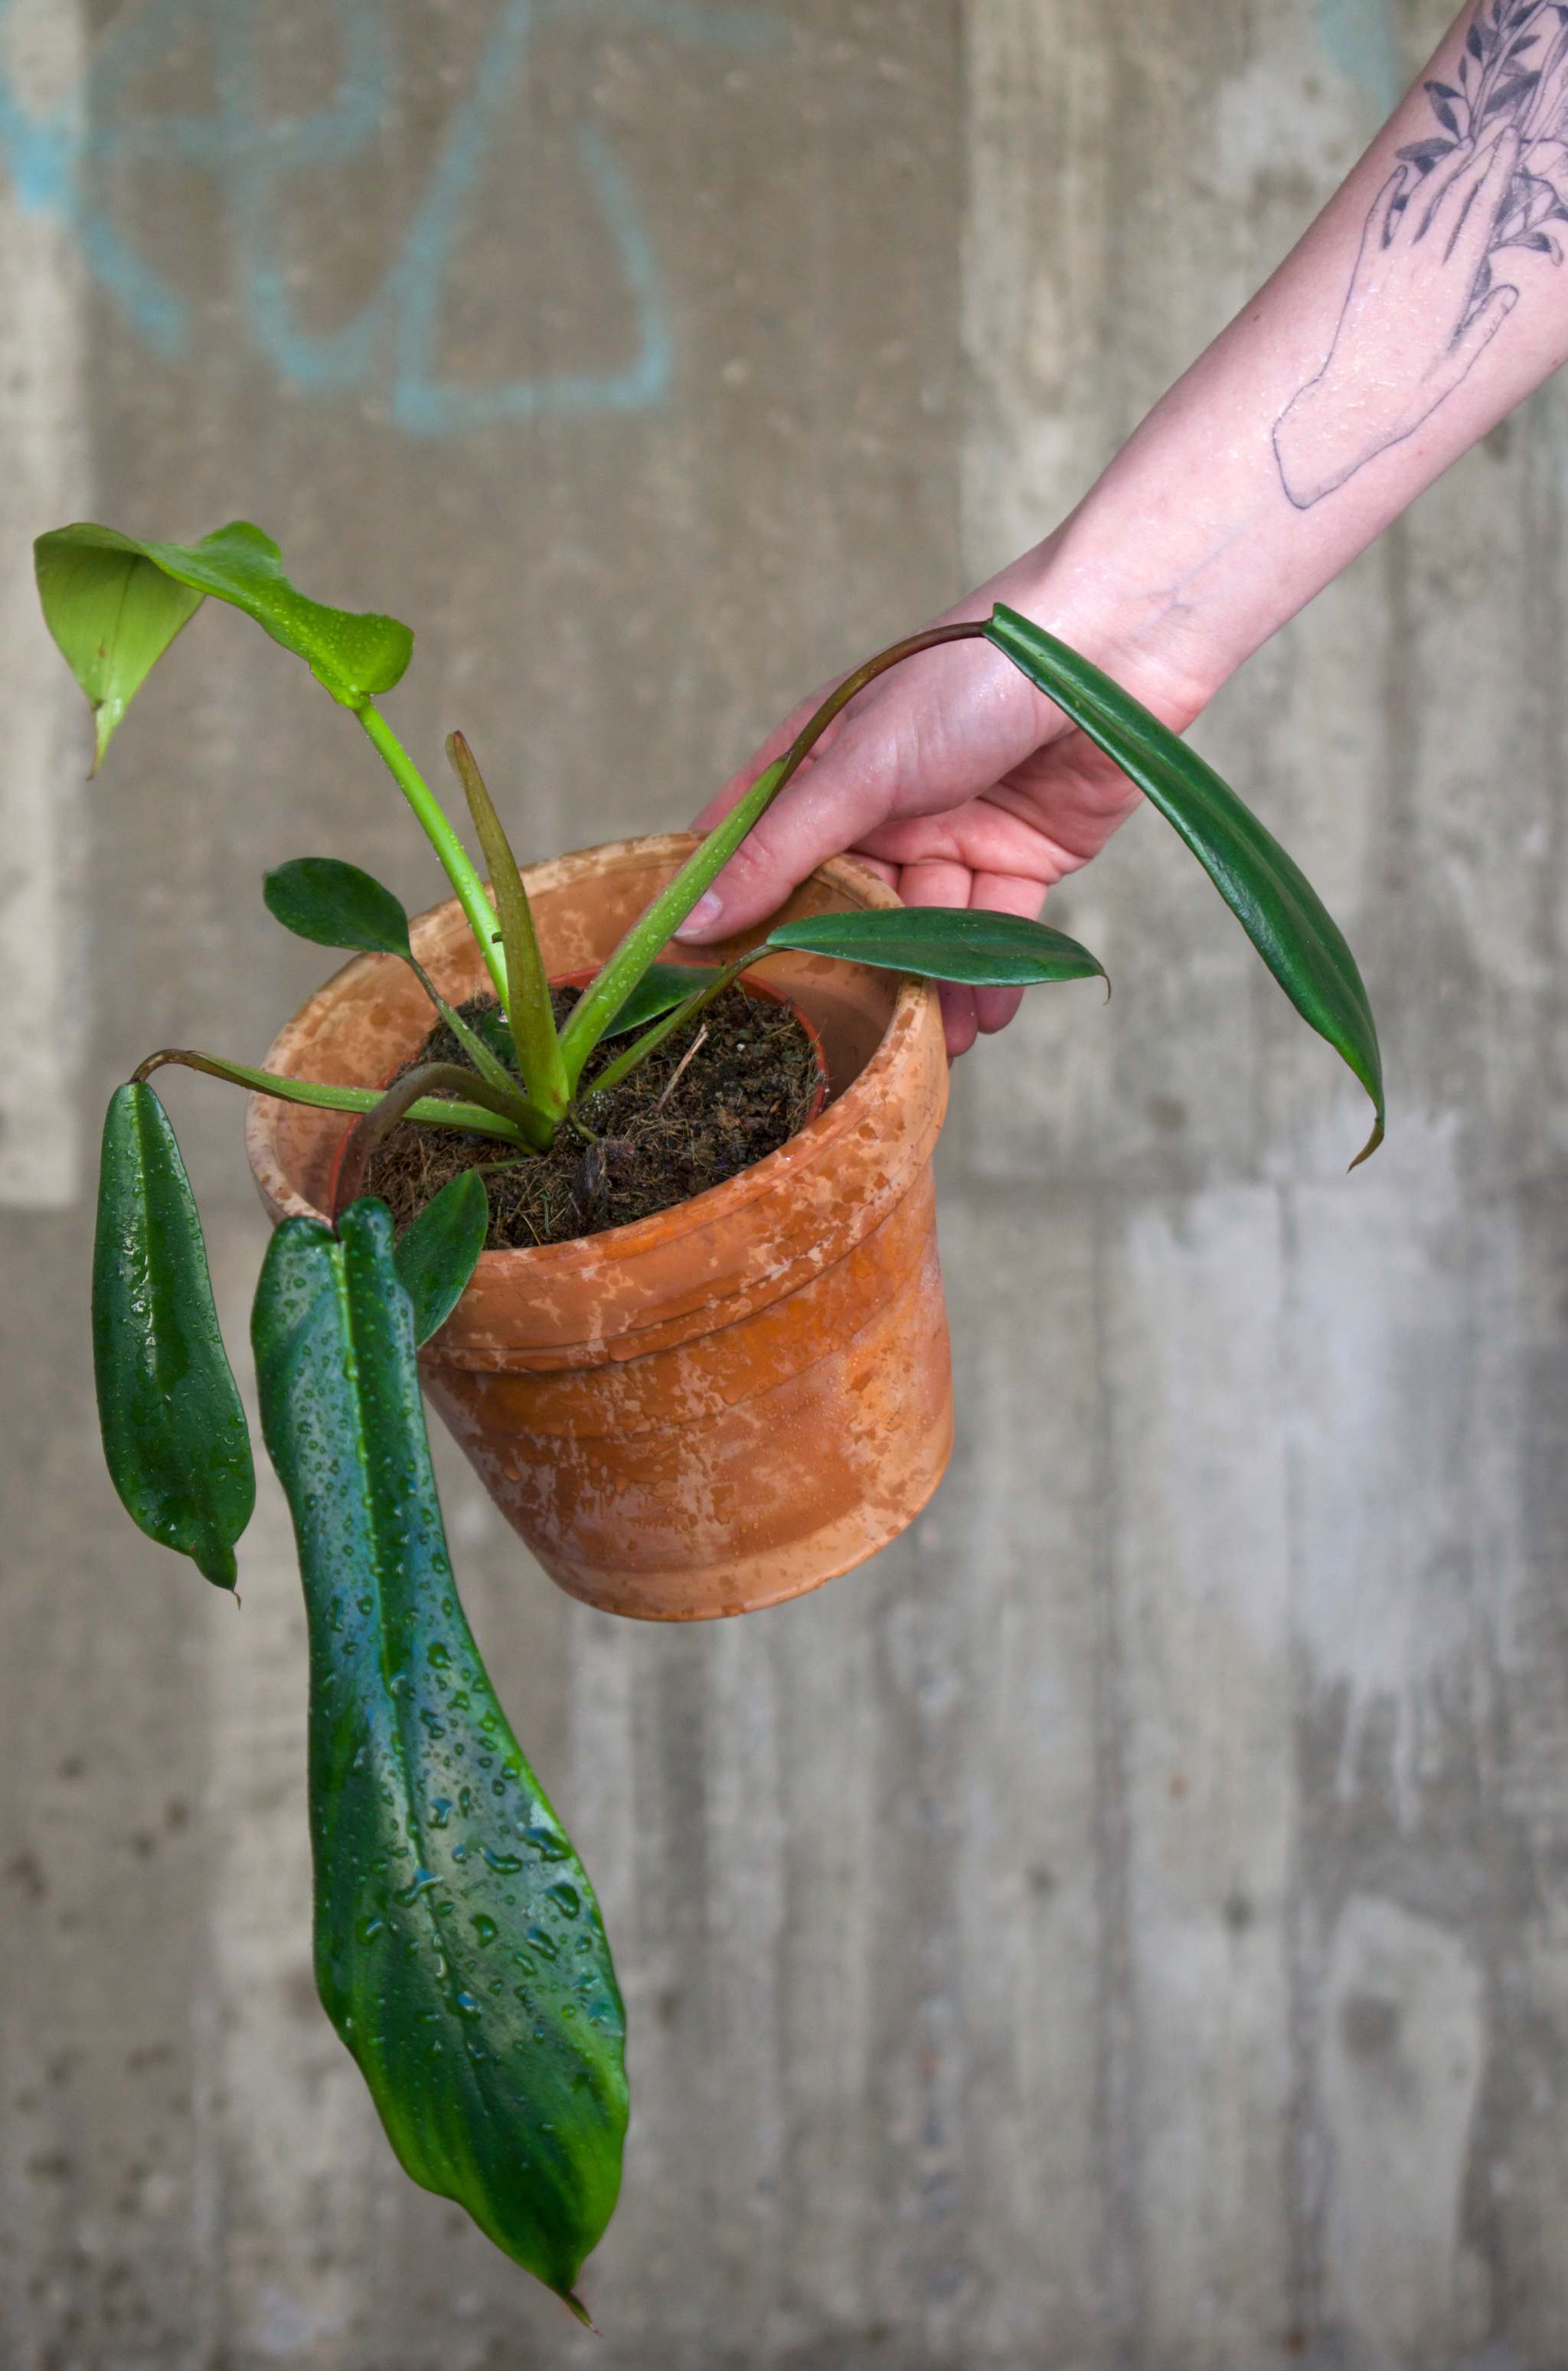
1425 301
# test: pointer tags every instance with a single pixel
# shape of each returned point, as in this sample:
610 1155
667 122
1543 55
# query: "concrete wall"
1128 1925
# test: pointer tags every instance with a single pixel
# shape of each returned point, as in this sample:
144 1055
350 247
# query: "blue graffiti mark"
51 159
1359 37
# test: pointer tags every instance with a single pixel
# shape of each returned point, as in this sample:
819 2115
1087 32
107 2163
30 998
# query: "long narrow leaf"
174 1432
528 1006
943 943
1270 895
459 1948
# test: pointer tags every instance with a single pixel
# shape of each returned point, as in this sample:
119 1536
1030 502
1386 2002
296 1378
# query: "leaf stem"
487 1064
600 1001
453 855
476 1118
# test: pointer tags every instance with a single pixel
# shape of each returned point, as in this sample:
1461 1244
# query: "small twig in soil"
674 1078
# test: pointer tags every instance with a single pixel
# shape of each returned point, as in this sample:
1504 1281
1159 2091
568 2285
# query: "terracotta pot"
736 1400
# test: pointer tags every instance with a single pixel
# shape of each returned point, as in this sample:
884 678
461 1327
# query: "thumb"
931 734
819 813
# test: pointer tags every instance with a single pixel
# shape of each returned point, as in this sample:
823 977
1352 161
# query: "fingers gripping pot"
731 1401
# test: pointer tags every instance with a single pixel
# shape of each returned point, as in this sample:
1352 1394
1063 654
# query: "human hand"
954 779
1412 326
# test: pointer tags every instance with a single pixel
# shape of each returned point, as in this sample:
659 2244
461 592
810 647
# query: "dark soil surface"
746 1089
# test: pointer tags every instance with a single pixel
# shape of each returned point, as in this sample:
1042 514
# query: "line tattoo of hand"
1423 299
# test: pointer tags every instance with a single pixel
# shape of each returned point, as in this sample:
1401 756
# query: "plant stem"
487 1064
600 1001
470 1118
449 848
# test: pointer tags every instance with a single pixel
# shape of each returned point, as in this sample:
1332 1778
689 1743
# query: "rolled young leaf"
1265 889
436 1255
943 943
336 905
530 1012
459 1948
102 601
174 1432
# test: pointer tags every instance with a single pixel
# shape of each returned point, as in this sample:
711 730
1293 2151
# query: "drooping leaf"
660 989
1270 895
945 942
459 1948
113 616
174 1432
436 1255
103 601
336 905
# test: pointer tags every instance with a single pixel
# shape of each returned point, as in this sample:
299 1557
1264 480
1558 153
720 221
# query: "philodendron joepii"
458 1946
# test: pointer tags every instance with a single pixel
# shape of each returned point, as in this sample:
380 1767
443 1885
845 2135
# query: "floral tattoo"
1425 297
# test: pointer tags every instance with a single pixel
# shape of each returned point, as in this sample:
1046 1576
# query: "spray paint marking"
251 156
1359 36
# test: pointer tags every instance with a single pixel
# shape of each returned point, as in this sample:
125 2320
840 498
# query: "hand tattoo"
1425 299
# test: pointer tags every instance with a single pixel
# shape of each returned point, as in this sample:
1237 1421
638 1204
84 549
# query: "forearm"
1428 299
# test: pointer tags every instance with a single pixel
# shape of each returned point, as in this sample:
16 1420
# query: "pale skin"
1422 306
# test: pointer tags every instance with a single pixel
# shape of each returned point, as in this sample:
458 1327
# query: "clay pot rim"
847 1112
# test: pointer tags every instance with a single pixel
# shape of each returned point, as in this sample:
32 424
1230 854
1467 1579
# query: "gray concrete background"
1127 1926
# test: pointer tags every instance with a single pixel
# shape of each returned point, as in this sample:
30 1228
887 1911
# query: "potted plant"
702 1363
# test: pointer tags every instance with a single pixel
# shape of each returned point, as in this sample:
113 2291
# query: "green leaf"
113 615
459 1948
114 605
436 1255
174 1433
1266 890
336 905
945 942
529 1010
660 989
